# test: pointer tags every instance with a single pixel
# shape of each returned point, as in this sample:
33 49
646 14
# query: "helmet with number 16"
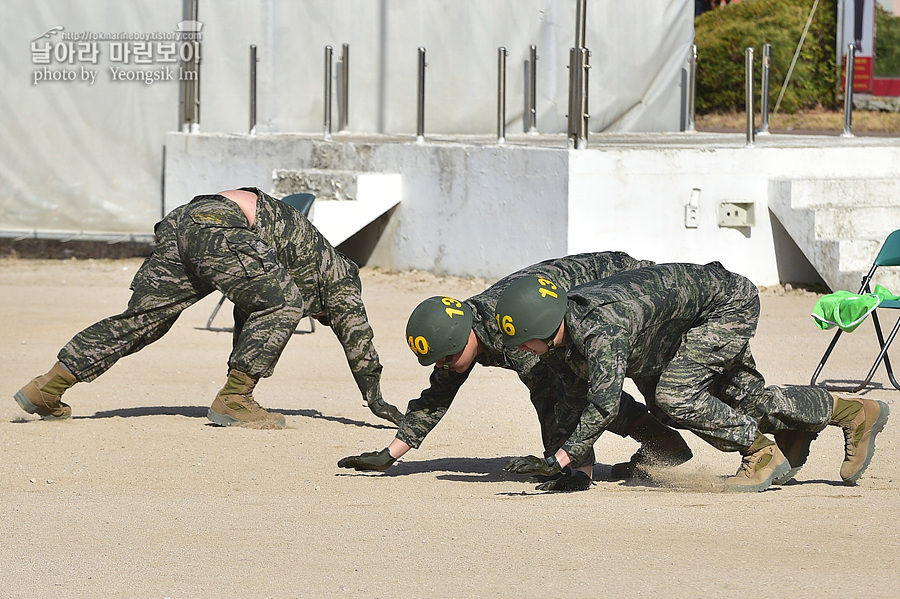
530 308
437 328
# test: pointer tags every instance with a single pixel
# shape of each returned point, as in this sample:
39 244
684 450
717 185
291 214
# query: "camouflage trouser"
712 388
201 247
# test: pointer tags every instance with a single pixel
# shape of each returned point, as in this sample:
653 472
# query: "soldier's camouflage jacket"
546 388
680 331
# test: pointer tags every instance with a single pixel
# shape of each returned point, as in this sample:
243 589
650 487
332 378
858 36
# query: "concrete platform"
471 206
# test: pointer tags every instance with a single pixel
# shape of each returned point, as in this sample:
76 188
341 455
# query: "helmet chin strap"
550 340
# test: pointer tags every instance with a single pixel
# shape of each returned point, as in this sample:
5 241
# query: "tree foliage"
723 34
887 44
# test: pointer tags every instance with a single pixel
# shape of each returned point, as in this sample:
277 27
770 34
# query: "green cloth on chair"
848 310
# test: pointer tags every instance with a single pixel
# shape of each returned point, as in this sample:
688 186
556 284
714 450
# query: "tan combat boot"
43 395
861 419
661 447
762 463
795 447
234 405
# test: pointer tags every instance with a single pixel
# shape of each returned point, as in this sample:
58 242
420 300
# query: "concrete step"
858 222
839 225
849 192
346 201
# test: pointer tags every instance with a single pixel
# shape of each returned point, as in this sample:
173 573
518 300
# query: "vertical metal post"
848 90
578 97
328 63
764 91
531 92
748 91
501 94
692 92
580 23
420 103
190 74
253 61
343 117
578 81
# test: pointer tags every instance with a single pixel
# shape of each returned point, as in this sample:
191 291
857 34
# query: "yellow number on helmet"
546 283
546 292
451 312
506 325
419 345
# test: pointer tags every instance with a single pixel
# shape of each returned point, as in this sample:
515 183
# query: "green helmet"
530 308
437 328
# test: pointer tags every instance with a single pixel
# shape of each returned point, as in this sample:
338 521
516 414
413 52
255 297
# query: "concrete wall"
480 210
476 208
633 199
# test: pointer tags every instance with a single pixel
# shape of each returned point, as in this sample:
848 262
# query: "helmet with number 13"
437 328
530 308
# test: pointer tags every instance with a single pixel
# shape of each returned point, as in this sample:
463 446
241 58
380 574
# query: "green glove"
533 464
379 461
382 409
568 482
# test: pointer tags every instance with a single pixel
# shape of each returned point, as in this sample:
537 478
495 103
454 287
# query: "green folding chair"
302 202
889 255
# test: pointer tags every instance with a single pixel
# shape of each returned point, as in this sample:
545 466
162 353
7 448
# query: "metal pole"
420 104
531 92
764 92
344 120
585 70
328 63
748 68
580 23
190 74
578 81
848 90
253 61
573 108
692 93
501 94
578 97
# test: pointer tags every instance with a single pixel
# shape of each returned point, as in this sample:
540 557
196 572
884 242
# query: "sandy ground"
139 496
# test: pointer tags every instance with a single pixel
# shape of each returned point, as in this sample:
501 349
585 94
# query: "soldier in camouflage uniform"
276 268
558 397
682 333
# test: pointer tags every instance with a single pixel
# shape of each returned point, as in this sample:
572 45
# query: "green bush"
723 34
887 44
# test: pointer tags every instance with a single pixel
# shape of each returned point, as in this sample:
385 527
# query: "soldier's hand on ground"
531 464
382 409
568 482
377 461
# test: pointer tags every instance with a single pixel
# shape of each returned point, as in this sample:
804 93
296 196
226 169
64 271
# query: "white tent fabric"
84 154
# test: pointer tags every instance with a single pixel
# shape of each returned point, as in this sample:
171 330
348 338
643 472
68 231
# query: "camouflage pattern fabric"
275 272
682 333
558 397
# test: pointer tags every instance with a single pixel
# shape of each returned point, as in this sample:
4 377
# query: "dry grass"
816 120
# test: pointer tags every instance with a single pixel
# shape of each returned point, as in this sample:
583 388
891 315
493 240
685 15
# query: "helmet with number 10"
437 328
530 308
